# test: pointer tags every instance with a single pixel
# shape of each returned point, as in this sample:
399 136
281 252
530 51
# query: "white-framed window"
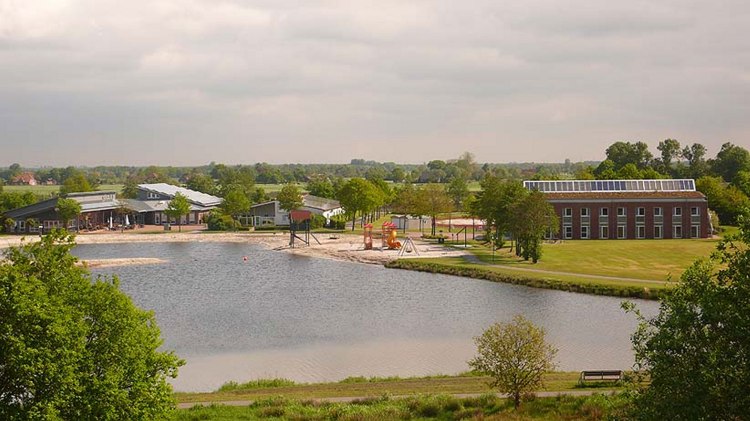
677 211
49 224
584 212
658 231
603 232
621 233
152 195
33 228
677 231
621 212
603 211
584 232
640 231
21 225
695 211
657 211
695 231
641 212
568 212
568 231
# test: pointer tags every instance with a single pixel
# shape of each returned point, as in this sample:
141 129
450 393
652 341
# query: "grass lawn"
639 259
358 386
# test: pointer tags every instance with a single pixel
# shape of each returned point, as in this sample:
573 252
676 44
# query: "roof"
583 186
321 203
615 195
141 206
193 196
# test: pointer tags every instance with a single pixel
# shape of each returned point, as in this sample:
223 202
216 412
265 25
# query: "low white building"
270 213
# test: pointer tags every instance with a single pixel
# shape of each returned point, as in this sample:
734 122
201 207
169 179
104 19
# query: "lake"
312 320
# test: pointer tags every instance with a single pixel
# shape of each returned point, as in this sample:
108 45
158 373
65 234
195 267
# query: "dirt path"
474 259
347 399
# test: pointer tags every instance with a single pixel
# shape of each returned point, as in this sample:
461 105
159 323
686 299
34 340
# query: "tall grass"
255 384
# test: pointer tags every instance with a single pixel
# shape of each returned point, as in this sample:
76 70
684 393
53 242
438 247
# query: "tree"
68 209
533 217
495 204
515 355
177 208
290 197
202 183
730 160
75 347
436 201
235 203
321 186
670 150
358 195
77 182
695 155
623 153
696 350
458 190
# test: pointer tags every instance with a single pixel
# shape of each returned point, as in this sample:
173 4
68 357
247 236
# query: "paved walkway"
347 399
474 259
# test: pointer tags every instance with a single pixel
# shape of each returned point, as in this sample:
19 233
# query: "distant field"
271 188
49 190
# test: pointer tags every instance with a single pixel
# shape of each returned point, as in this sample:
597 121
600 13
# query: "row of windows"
640 231
574 186
676 211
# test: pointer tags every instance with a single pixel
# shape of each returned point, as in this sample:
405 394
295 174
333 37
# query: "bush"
218 221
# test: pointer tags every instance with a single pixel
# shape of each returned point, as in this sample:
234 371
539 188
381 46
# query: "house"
270 213
152 200
102 209
25 178
627 209
97 210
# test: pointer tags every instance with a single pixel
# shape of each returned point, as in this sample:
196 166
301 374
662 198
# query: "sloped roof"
193 196
321 203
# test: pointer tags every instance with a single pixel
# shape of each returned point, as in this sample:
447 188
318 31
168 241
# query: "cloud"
186 82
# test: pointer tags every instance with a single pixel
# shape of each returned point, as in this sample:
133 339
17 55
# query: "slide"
393 242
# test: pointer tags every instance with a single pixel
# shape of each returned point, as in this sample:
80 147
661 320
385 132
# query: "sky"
188 82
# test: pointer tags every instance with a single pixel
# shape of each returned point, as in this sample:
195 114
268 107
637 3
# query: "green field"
50 190
657 260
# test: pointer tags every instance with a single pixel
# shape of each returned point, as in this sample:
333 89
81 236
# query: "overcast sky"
189 82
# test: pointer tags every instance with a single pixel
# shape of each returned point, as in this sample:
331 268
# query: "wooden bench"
600 375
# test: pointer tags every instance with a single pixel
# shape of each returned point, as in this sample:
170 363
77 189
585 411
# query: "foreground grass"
360 386
424 407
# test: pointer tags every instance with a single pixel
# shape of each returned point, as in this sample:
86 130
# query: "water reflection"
317 320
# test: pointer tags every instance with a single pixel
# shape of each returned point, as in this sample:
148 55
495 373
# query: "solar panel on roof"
580 186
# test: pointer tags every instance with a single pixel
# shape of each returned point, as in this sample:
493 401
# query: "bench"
601 375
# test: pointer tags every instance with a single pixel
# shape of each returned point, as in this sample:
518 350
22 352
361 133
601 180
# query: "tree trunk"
354 219
516 400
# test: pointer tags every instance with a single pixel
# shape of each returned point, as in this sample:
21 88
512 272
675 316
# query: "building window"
621 231
568 212
603 232
603 211
695 231
695 211
657 231
677 211
641 212
568 231
152 195
584 232
677 231
640 231
657 211
584 212
22 225
620 211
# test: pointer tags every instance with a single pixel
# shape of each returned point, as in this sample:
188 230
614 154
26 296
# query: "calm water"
307 319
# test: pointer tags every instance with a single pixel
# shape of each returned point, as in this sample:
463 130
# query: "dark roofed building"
153 200
96 210
627 209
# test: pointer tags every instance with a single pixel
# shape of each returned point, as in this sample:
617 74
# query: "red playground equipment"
368 236
390 231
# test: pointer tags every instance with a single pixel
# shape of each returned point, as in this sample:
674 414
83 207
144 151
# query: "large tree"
290 197
730 160
76 182
178 207
515 355
696 350
532 218
67 209
623 153
73 346
358 196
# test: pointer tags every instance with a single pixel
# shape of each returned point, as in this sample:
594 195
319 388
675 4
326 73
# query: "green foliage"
623 153
219 221
235 203
76 182
255 384
290 197
696 351
321 186
532 218
496 203
201 182
726 200
730 160
72 347
178 207
516 356
359 195
67 209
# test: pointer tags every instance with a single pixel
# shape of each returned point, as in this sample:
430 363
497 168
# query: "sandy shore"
105 263
343 247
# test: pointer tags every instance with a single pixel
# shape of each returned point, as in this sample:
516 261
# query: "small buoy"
244 258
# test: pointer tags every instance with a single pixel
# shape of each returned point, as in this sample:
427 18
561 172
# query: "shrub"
218 221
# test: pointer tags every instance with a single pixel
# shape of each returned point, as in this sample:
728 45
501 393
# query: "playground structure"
299 222
368 236
389 239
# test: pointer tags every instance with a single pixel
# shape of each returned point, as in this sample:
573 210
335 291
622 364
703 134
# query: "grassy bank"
425 407
360 386
458 266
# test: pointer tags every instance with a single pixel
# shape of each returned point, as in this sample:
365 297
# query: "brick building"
627 209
